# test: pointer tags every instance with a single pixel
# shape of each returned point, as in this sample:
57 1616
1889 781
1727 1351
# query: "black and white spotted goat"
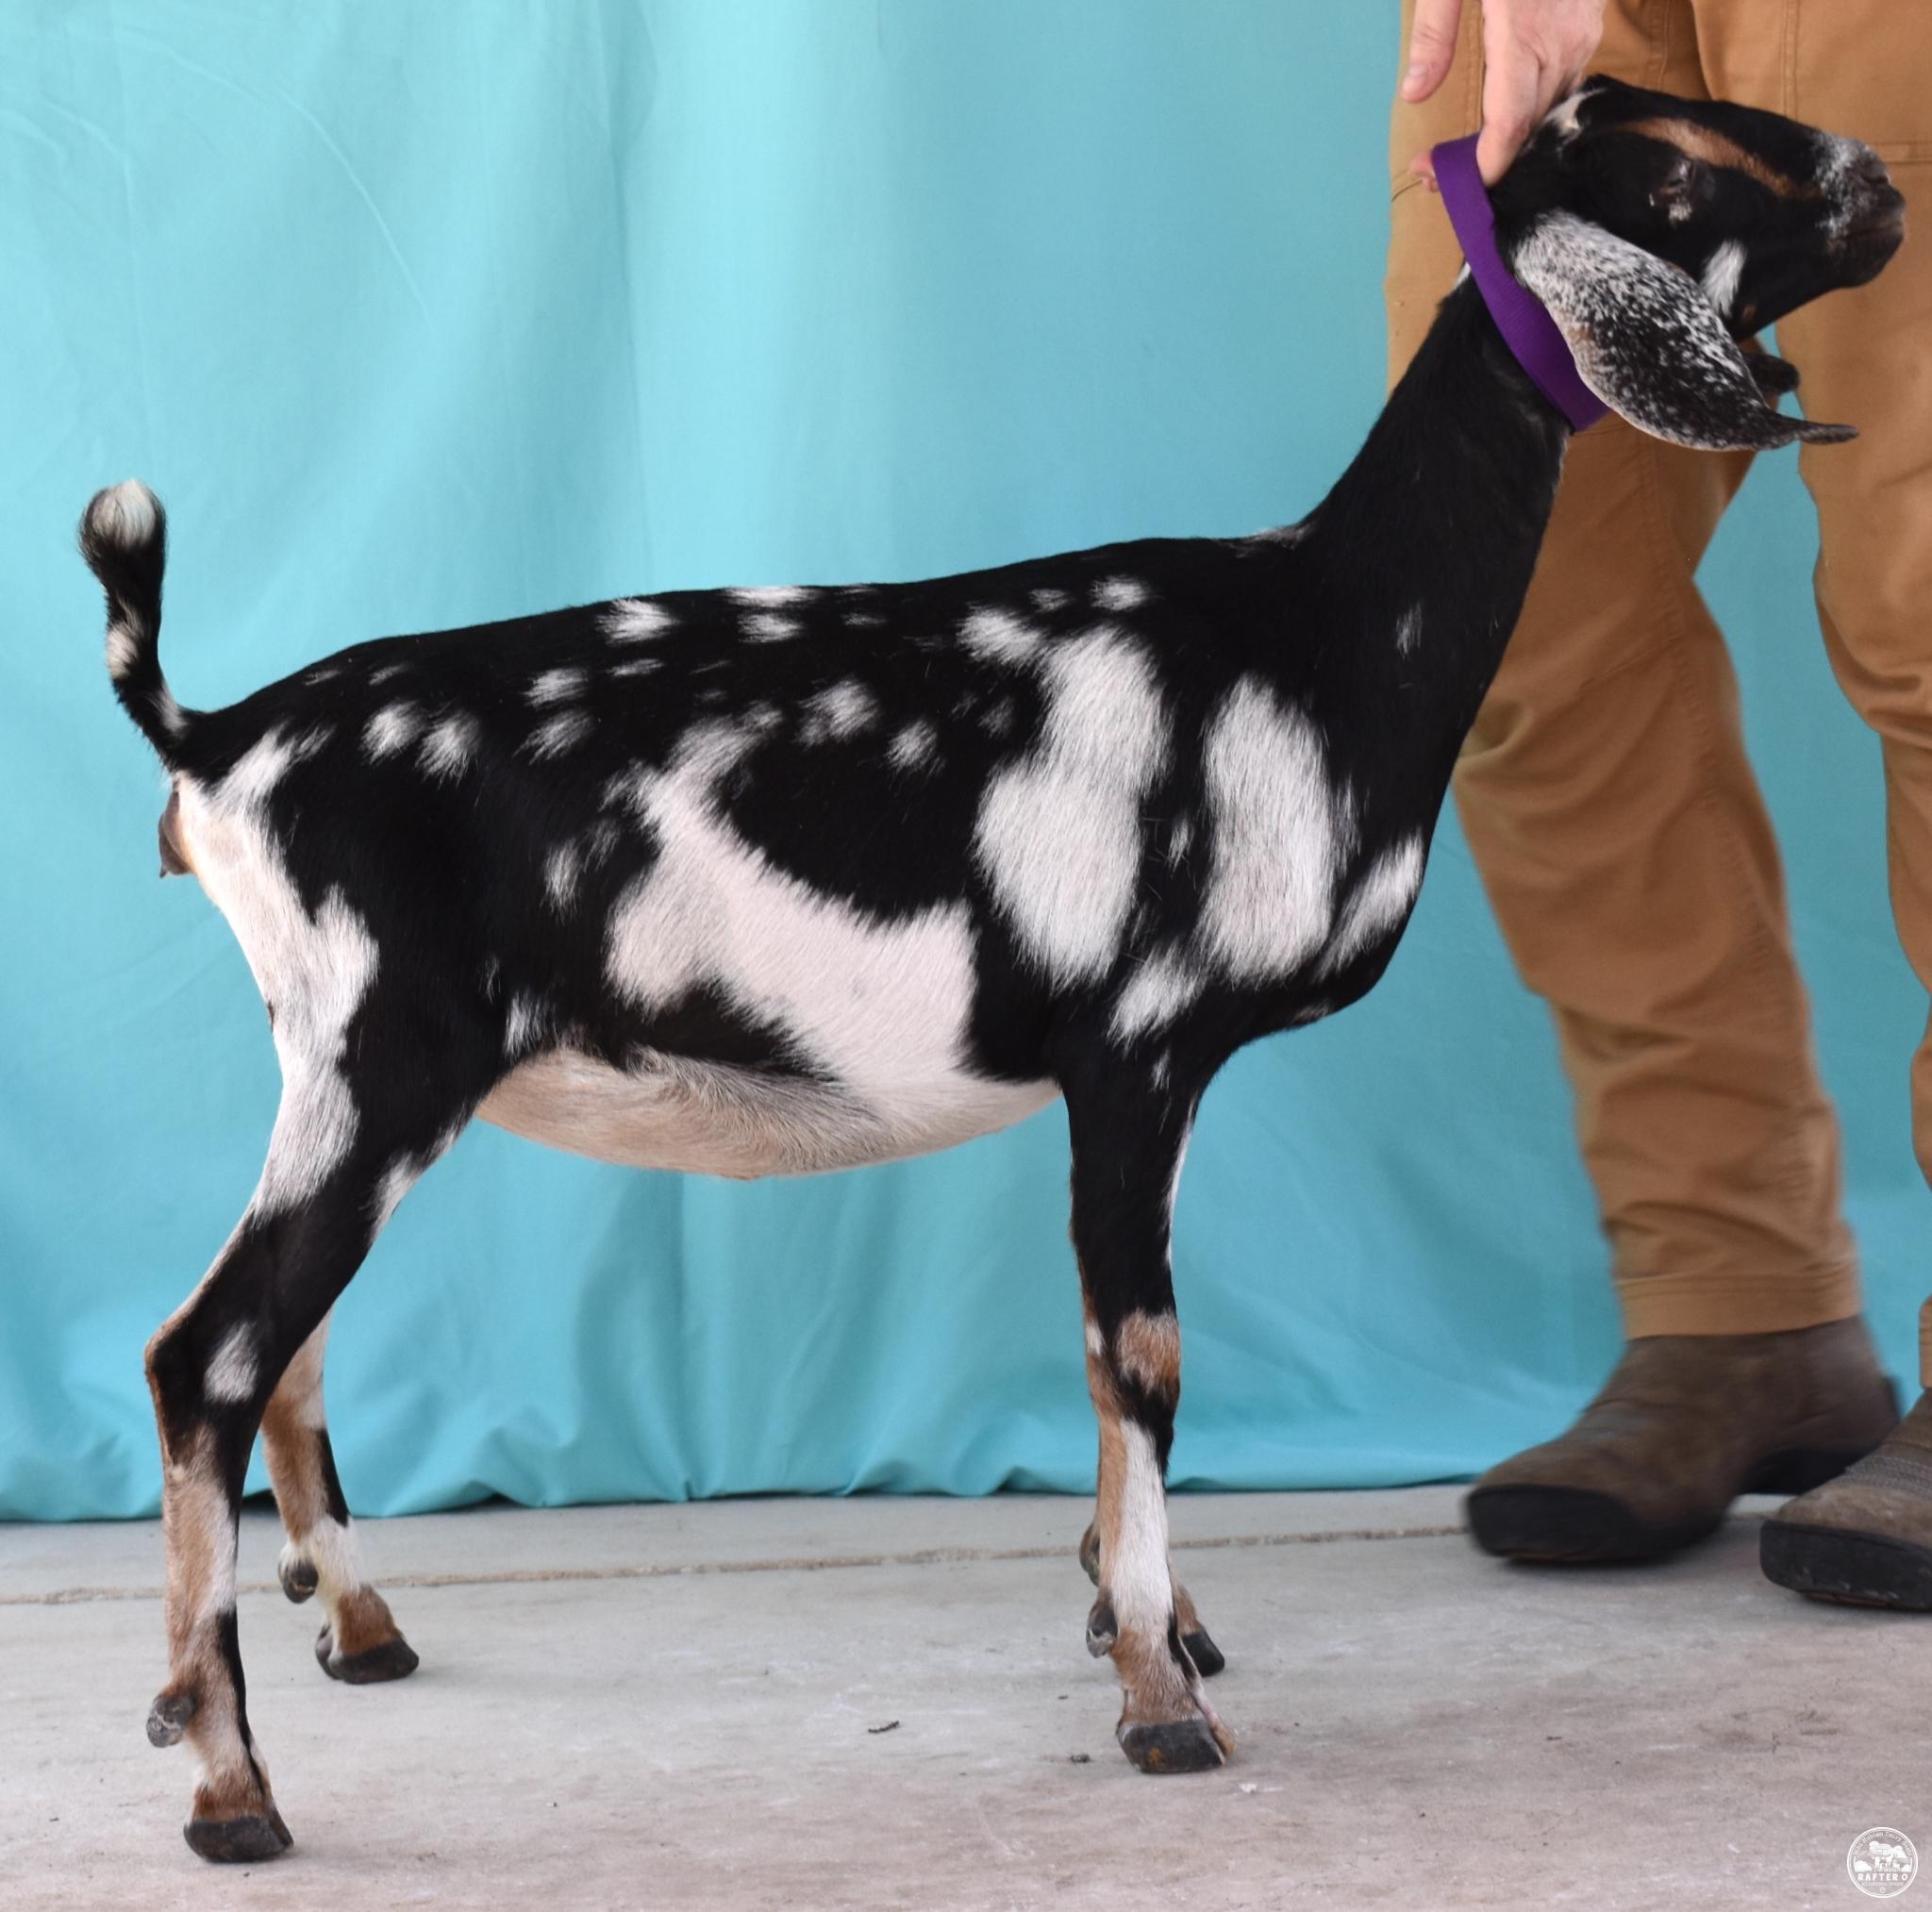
768 882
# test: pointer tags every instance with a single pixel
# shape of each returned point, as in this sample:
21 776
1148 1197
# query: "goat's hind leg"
1128 1139
333 1171
359 1641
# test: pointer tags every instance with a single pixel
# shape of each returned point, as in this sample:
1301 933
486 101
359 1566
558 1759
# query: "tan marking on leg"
1185 1616
292 1426
1148 1349
361 1621
198 1529
1113 1453
288 1425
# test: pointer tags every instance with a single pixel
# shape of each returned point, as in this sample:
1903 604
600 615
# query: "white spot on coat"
1156 992
1049 600
1273 858
554 687
523 1024
1058 833
558 734
1381 901
449 746
392 728
256 772
913 745
999 637
313 971
878 1008
772 594
397 1180
1562 118
1120 593
1409 629
769 627
636 621
1723 274
561 869
233 1370
843 709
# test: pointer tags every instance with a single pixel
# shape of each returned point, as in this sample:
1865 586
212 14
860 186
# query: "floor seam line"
926 1556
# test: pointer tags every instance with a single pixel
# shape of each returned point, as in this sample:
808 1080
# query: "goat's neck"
1437 523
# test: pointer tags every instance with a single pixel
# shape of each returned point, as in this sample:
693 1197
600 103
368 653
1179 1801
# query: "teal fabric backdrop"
424 313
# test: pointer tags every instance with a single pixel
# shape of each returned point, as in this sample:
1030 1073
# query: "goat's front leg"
1208 1659
1129 1140
359 1641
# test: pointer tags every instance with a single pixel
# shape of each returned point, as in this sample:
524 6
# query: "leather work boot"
1685 1424
1865 1537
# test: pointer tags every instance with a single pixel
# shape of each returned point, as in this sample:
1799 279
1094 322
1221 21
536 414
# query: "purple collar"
1526 327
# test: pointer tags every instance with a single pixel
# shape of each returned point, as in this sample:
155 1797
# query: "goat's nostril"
1872 171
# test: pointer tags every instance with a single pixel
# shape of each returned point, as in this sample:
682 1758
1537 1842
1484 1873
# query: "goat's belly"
709 1120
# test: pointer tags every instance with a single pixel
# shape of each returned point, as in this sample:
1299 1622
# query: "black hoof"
1208 1659
1089 1551
168 1718
1103 1630
394 1660
1173 1746
243 1841
299 1579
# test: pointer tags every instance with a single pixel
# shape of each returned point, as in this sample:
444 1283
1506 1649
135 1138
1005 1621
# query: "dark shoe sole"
1856 1570
1572 1527
1578 1527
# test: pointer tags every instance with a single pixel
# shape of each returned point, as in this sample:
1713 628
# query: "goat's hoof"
1103 1630
246 1840
1208 1659
168 1718
298 1577
394 1660
1173 1746
1089 1551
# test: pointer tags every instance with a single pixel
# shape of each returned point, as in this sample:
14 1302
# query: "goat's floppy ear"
1649 343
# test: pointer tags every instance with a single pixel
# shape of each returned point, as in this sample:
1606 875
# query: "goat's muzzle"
1876 228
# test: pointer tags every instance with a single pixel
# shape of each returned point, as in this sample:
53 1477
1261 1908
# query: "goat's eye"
1677 189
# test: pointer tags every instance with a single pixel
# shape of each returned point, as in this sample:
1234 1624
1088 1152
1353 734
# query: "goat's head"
1659 231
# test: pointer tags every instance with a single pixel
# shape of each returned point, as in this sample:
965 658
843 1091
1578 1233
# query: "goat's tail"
123 537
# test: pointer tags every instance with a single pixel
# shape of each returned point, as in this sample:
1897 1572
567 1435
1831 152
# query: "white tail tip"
126 515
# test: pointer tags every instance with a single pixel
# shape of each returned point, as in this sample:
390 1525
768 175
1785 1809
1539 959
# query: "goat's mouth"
1879 231
1869 251
1883 218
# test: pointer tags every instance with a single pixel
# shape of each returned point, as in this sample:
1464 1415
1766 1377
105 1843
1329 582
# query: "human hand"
1534 52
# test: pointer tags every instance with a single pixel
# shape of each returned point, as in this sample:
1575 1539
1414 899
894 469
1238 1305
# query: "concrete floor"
886 1703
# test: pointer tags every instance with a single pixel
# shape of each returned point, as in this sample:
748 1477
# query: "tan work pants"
1604 790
